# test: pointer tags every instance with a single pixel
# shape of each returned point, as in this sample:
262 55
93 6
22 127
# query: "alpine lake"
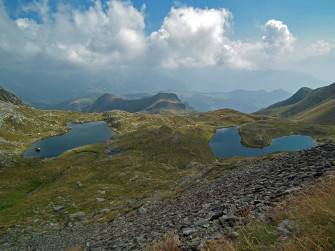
226 143
79 135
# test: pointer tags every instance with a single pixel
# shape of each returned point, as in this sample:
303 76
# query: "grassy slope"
260 133
297 97
162 151
311 106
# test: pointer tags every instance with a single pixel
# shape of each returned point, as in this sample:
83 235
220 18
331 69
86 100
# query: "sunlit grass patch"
313 213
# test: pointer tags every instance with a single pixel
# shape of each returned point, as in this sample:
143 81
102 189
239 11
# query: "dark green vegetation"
311 106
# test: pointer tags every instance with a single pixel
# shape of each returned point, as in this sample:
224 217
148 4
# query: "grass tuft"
76 248
314 213
169 242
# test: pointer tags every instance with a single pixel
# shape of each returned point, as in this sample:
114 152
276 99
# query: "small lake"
79 135
226 143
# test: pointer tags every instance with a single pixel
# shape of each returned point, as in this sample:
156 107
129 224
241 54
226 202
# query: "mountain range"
241 100
52 88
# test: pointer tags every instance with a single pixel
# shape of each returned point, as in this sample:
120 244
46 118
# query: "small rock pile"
209 210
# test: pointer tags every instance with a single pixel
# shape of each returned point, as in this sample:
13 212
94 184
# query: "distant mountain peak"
295 98
160 103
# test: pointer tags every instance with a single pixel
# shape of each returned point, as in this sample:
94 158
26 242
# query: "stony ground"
206 211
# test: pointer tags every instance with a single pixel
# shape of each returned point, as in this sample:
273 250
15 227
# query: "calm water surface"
79 135
226 144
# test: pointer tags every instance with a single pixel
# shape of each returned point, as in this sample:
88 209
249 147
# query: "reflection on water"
79 135
227 143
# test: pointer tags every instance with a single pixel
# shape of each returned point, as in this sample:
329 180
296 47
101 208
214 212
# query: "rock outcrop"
9 97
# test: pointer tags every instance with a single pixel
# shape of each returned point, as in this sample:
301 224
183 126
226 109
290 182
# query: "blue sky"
183 40
306 18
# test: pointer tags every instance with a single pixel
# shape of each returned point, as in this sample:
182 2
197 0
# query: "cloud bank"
111 36
97 36
114 34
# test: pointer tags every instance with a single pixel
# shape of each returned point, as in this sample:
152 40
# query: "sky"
144 45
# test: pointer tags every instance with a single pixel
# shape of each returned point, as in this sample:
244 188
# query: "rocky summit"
9 97
211 209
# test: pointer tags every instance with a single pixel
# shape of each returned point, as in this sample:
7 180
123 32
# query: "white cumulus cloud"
200 37
277 36
111 34
192 36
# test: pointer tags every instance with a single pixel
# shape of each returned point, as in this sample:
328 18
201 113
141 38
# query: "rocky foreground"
206 211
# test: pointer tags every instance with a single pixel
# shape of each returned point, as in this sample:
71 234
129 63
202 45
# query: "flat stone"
79 185
77 216
286 227
292 189
201 222
105 210
235 234
142 210
99 200
188 231
57 209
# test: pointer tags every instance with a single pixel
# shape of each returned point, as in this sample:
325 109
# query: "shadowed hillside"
162 103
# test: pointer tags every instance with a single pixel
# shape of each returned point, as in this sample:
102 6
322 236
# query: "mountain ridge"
161 103
307 105
295 98
242 100
9 97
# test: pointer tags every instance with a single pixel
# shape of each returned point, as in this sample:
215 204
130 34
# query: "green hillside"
165 156
312 106
298 96
165 152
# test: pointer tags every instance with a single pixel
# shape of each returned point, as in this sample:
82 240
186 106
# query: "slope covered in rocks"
9 97
210 209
